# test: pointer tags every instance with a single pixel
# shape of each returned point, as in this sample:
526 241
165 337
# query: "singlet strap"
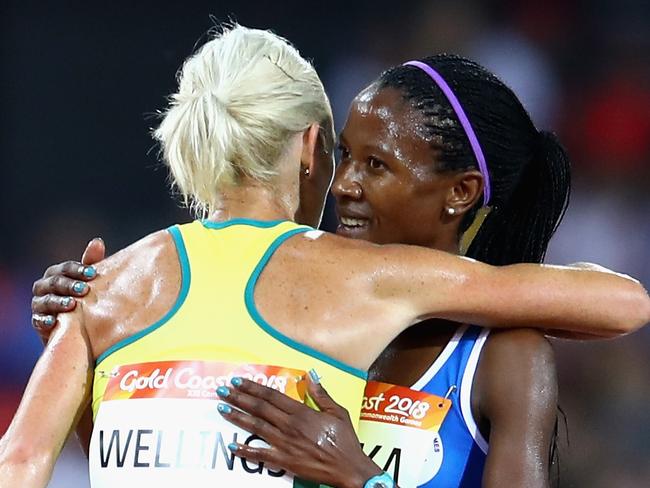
466 391
441 360
275 333
186 279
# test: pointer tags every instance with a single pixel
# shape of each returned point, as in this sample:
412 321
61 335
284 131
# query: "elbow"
636 313
626 312
644 308
20 460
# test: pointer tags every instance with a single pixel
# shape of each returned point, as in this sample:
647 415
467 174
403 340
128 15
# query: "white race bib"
158 426
399 431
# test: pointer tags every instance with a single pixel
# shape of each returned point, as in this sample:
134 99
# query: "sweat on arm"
61 381
515 393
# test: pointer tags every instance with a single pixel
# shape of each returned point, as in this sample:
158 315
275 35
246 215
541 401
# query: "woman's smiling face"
386 187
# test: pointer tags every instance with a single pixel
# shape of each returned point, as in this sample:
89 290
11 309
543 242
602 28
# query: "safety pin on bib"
451 389
112 374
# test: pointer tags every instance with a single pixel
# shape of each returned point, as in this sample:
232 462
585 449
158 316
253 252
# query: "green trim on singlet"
269 329
186 278
208 224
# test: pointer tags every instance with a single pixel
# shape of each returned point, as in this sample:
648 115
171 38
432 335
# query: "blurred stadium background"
80 84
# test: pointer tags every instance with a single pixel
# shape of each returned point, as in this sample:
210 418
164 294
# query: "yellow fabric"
214 323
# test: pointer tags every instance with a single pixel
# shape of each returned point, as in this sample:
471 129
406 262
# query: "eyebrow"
381 149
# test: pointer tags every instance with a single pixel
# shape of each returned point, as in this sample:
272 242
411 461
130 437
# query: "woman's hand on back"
319 446
62 283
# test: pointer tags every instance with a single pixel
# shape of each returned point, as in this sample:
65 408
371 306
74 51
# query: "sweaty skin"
393 170
377 183
136 286
383 176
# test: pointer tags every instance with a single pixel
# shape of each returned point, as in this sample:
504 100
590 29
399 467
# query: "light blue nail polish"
79 287
314 377
232 446
66 301
49 321
223 391
236 381
90 271
223 408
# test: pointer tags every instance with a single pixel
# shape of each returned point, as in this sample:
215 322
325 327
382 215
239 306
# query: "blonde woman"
248 139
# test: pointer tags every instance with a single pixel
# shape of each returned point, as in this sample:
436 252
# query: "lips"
353 222
352 225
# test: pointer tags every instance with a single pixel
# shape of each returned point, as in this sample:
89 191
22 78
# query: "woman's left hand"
319 446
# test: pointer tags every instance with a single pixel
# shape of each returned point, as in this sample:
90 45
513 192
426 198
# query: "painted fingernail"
49 321
79 287
232 446
223 391
223 408
314 377
90 271
236 381
66 301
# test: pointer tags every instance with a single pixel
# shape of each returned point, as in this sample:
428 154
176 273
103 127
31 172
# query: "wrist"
363 471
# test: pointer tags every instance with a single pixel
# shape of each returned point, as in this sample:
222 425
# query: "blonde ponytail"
240 98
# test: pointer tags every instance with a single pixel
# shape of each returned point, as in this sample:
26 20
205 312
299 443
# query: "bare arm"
516 392
429 283
55 293
61 381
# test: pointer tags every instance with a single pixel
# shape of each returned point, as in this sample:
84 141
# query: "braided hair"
529 169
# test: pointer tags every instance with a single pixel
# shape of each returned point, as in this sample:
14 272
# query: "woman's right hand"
57 290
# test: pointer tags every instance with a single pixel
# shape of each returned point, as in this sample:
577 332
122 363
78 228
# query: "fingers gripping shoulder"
144 253
127 280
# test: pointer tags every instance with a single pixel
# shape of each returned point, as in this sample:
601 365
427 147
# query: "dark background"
81 84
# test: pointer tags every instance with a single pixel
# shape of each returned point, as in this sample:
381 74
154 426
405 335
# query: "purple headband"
464 121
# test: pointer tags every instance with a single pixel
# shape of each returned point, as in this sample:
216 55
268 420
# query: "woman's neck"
256 202
447 242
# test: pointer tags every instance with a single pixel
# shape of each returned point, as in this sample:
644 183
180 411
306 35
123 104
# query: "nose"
346 183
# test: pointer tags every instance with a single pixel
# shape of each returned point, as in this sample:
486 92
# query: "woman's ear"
316 173
309 149
466 190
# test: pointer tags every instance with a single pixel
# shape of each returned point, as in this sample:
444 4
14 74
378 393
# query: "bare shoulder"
134 287
327 241
128 264
330 256
346 244
517 368
318 283
359 254
525 345
516 352
319 259
515 390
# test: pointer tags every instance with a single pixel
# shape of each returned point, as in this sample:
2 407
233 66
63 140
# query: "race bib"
158 426
399 431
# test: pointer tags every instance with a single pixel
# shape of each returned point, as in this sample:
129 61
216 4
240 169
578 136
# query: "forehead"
381 117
